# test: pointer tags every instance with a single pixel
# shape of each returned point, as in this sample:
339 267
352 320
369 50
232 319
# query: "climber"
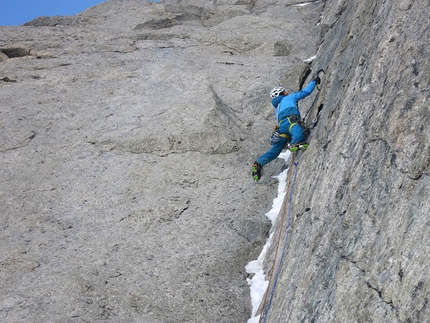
289 124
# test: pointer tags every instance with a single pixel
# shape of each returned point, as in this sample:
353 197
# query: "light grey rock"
127 134
126 144
358 243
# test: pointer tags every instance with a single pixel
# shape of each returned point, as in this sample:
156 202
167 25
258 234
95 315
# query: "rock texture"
358 244
127 135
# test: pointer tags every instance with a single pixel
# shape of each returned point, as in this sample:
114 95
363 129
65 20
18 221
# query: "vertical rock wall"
127 134
358 244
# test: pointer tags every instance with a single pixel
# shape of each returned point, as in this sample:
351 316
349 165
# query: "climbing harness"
276 135
274 138
292 124
292 120
285 212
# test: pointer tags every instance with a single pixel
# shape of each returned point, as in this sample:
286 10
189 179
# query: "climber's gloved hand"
317 80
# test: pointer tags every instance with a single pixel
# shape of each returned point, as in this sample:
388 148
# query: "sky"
18 12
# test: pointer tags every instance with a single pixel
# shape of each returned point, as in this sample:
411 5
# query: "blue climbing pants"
273 152
294 132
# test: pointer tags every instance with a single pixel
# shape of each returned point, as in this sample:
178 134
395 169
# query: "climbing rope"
288 213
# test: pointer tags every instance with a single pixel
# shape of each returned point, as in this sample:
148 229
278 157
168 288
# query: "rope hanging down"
264 316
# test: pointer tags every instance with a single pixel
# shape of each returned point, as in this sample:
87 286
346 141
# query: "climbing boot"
293 148
256 171
303 146
298 146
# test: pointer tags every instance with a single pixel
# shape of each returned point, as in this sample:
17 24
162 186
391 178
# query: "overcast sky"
18 12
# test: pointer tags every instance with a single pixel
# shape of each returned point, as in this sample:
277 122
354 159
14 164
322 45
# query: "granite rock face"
127 136
358 244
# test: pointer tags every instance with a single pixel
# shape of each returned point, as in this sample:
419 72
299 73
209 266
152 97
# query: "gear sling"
276 134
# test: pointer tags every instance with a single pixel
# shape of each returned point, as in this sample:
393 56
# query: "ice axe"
318 78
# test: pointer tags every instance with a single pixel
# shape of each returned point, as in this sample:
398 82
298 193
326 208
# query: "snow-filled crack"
258 284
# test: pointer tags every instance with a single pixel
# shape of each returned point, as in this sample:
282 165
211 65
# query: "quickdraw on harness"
274 138
292 120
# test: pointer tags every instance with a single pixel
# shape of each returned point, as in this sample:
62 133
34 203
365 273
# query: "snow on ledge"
310 59
302 4
258 284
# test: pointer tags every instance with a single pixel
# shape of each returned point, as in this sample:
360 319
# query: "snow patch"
310 59
258 284
302 4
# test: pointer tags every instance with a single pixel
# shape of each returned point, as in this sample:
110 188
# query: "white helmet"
276 91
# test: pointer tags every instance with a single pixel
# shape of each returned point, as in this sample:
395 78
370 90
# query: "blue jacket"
286 105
